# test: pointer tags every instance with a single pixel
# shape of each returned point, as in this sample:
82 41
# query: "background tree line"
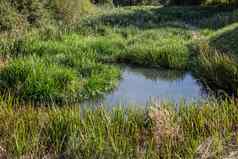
22 13
167 2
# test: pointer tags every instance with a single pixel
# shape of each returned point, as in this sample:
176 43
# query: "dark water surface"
140 86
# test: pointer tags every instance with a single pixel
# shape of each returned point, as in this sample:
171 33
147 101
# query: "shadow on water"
140 86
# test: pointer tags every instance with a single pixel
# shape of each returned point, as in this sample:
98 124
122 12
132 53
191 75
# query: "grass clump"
217 69
225 39
34 79
37 80
154 48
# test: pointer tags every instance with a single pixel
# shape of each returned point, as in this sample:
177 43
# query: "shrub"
69 11
9 18
41 13
32 10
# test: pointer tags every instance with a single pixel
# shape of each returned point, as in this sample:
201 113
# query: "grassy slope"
226 39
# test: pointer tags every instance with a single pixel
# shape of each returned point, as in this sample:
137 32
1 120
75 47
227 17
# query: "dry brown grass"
164 126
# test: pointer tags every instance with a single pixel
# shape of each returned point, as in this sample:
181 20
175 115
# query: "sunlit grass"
130 132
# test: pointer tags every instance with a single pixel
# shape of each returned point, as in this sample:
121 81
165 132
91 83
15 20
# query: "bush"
9 18
32 10
40 13
69 11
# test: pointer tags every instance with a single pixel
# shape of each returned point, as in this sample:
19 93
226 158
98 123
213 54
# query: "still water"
140 86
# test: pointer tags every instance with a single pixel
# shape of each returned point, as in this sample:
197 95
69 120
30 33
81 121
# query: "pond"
140 86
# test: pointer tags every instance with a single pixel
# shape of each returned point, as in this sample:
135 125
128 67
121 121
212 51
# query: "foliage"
166 2
225 39
41 13
9 18
71 132
37 80
216 69
33 79
69 11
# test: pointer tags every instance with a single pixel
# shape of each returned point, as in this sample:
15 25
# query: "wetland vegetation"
56 55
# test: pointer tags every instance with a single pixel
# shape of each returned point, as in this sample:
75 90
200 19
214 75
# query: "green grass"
147 36
159 47
125 133
67 64
217 70
35 79
225 39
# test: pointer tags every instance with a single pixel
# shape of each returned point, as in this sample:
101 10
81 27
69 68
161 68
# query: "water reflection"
139 86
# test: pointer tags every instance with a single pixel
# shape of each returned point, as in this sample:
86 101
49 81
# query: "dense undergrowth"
180 38
192 131
57 55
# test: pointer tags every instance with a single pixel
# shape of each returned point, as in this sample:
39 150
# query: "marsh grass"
216 69
64 64
147 36
131 132
35 79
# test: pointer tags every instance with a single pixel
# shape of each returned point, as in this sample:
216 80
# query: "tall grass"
37 80
158 132
70 11
162 42
216 69
61 65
